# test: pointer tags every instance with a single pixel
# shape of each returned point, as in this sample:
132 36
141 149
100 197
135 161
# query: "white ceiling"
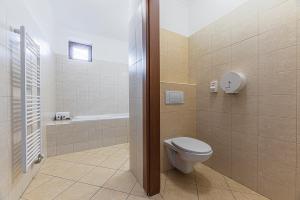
188 16
108 18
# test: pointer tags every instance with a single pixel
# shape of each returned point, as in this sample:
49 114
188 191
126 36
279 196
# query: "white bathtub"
100 117
86 132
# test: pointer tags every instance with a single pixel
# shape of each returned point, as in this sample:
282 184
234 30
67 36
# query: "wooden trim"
152 101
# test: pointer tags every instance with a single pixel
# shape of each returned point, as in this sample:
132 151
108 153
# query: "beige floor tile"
237 187
49 190
138 190
91 151
114 162
176 176
247 196
37 181
124 146
78 191
93 159
55 167
122 181
131 197
122 152
178 191
72 157
156 197
125 166
207 177
214 194
106 194
98 176
163 180
76 172
107 151
203 184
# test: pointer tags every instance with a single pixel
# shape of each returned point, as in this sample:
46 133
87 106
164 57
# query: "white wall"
42 14
14 13
188 16
204 12
106 49
91 88
174 16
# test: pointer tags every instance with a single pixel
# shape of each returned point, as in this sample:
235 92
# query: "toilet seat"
191 145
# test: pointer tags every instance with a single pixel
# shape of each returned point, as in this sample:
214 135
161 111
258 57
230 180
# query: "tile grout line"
78 181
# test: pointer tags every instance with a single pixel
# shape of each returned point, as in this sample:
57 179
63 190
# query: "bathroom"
134 105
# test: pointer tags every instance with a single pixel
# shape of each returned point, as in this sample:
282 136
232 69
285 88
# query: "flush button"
174 97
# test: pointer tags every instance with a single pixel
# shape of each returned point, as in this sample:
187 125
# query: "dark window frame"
73 44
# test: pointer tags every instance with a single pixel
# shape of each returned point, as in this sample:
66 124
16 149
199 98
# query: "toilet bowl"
185 152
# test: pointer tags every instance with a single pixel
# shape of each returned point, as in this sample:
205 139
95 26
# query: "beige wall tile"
218 71
298 184
278 106
271 150
248 129
174 46
277 38
277 16
245 51
220 38
298 173
278 128
245 159
177 120
242 104
278 72
221 56
244 22
277 169
245 124
220 103
220 140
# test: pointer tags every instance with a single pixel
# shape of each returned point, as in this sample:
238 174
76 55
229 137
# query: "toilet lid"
191 145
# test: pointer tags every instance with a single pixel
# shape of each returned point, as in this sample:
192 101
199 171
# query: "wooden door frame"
151 107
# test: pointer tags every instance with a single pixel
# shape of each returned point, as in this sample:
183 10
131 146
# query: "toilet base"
182 165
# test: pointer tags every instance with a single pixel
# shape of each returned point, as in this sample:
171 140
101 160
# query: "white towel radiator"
30 100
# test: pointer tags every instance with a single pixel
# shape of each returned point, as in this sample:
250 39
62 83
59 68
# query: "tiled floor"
103 174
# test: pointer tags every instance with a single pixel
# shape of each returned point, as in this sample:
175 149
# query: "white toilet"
184 152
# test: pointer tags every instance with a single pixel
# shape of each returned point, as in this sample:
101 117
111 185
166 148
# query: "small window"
79 51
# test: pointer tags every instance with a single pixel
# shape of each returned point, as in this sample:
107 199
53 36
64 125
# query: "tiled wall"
13 182
176 120
137 66
254 134
68 137
174 57
91 88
